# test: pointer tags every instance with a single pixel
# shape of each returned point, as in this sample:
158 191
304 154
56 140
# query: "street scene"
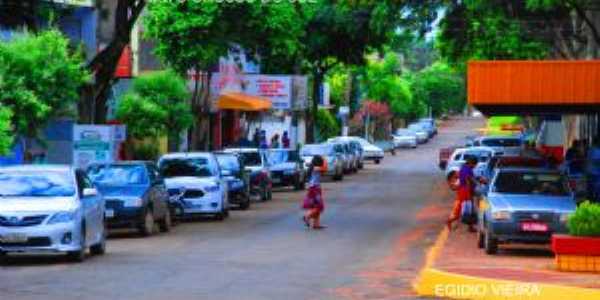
158 149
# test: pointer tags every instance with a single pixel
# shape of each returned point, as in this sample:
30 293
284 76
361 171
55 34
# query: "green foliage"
327 124
586 220
157 104
6 135
146 152
39 79
338 85
440 88
484 30
383 83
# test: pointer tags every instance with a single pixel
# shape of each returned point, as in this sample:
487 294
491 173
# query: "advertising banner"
92 144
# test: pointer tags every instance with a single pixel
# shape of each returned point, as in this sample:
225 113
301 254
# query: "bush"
327 124
586 220
146 152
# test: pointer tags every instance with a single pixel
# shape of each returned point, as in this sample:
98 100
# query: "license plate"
109 213
534 227
14 238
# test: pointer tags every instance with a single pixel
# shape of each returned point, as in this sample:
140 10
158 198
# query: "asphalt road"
380 223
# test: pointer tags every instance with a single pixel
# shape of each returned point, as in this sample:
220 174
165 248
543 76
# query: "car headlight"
501 215
132 202
564 217
62 217
211 189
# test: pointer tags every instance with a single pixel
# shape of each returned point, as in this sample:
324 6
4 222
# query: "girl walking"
313 202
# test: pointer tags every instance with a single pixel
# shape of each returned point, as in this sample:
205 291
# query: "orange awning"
243 102
530 87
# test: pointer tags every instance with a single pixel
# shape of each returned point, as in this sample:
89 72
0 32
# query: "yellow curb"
441 284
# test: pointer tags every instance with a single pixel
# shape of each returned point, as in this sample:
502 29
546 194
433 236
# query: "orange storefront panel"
534 83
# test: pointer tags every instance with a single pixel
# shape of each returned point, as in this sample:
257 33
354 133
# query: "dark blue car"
135 195
238 180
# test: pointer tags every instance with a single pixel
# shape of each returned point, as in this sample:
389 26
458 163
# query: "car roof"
242 150
528 169
187 155
123 163
55 168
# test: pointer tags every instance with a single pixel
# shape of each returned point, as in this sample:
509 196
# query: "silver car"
350 158
50 209
422 134
355 146
404 138
335 160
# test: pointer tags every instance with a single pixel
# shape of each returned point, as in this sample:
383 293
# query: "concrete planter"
576 253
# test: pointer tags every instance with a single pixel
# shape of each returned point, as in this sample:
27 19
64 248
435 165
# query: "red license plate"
534 227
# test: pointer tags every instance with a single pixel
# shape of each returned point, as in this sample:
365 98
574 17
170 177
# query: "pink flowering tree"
374 115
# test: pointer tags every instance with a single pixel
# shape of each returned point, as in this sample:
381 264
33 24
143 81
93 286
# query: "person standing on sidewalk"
313 202
285 140
466 188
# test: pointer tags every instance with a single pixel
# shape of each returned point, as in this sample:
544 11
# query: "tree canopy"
6 135
40 79
440 88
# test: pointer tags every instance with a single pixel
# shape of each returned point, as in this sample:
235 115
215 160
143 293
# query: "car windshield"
415 127
118 175
36 184
403 132
501 142
480 155
187 167
279 157
531 183
251 159
312 150
229 162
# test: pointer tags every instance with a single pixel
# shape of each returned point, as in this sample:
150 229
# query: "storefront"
564 95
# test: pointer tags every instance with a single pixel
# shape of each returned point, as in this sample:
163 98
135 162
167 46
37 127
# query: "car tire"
100 248
167 222
146 228
490 244
377 161
264 195
79 255
246 204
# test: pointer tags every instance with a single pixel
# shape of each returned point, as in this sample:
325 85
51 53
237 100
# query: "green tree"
40 79
440 88
157 104
6 135
327 124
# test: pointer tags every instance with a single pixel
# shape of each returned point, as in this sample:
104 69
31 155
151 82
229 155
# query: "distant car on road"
405 138
460 156
233 169
197 174
350 159
135 195
287 168
420 131
355 146
335 159
524 205
370 151
51 210
257 164
430 123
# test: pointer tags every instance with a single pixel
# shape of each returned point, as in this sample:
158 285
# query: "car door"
93 208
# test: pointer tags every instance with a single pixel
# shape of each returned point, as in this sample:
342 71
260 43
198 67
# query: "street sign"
344 110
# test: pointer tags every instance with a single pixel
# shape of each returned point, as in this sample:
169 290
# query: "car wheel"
490 244
79 255
100 248
147 226
166 223
264 195
377 161
246 204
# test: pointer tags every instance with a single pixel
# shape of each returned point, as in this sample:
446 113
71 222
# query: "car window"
36 184
531 183
229 162
278 157
188 167
252 159
312 150
118 175
501 142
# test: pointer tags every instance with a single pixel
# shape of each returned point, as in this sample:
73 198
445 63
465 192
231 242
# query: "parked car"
420 132
335 159
350 159
355 146
257 164
430 123
524 205
460 156
287 168
135 195
238 179
507 145
405 138
370 151
50 209
198 176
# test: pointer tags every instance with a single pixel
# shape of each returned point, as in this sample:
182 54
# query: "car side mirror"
89 192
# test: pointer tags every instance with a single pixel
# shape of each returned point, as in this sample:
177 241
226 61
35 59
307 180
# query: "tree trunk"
316 99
